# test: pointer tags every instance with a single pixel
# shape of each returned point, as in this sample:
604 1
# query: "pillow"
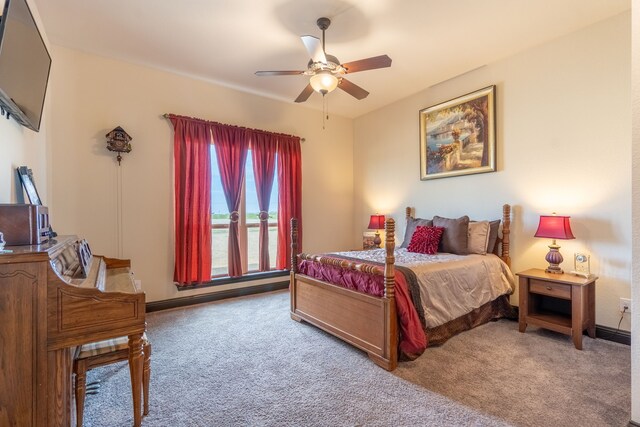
412 223
478 237
493 235
455 236
425 240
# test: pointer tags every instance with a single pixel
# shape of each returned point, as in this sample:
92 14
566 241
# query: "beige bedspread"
450 285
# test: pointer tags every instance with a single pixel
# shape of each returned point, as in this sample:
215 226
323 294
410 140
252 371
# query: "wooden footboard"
367 322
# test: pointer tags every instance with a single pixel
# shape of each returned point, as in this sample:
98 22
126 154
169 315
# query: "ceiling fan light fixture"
323 82
326 71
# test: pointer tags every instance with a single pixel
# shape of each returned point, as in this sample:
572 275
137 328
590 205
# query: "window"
249 223
203 224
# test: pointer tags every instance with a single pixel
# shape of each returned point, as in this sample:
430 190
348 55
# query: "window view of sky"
218 202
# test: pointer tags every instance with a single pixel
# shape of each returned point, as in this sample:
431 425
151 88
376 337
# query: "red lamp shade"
376 222
554 227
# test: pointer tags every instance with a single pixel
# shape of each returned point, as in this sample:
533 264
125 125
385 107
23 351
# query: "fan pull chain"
325 109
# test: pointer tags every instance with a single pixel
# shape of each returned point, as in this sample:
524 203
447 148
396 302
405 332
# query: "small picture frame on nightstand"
367 240
582 265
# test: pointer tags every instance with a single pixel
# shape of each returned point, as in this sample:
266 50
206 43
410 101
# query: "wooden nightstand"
560 302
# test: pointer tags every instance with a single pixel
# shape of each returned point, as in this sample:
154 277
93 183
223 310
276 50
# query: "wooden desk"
46 311
538 290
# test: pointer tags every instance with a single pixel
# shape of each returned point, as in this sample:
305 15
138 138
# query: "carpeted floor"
244 362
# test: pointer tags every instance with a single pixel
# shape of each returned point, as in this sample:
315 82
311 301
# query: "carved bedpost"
506 229
408 212
294 269
391 322
294 245
389 274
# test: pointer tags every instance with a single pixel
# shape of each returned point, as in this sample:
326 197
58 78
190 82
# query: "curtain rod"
168 116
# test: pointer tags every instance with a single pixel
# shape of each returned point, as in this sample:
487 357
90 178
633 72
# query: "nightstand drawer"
549 288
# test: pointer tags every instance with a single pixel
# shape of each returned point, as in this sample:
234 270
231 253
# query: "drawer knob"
548 288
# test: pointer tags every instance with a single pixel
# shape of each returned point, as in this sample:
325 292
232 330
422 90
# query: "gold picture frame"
458 137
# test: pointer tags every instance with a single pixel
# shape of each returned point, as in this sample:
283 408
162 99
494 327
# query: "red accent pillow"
425 240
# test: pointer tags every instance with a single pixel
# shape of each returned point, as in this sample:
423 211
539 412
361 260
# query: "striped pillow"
107 346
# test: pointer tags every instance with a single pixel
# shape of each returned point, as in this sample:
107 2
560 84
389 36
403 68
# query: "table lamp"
376 223
554 227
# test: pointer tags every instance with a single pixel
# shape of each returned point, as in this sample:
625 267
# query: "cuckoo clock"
118 141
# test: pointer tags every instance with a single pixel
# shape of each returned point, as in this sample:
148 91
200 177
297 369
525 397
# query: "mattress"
450 285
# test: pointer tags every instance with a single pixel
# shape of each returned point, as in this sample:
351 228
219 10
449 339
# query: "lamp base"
377 240
554 258
554 269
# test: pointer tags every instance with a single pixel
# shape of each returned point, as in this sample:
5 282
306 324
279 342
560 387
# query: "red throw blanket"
413 339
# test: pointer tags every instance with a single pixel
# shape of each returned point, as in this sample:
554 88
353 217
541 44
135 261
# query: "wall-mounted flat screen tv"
24 64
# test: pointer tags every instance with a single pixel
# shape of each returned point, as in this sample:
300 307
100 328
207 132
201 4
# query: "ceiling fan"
326 71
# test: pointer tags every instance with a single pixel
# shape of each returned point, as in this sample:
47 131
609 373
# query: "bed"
374 304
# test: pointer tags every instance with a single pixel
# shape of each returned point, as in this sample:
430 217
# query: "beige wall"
20 146
93 95
635 292
563 130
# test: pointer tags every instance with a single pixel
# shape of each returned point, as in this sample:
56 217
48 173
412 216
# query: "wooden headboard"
502 245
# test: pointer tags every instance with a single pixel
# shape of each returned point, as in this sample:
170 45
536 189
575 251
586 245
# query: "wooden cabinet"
23 356
560 302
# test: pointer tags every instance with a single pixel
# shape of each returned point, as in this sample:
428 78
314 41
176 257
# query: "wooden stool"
103 353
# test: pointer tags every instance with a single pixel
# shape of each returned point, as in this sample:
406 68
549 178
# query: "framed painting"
458 137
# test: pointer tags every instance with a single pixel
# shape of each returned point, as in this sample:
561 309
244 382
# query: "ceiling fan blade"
278 73
372 63
352 89
314 47
305 94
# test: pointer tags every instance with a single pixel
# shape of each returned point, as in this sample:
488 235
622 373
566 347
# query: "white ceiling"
226 41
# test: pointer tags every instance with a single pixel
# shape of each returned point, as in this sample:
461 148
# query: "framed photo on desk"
26 177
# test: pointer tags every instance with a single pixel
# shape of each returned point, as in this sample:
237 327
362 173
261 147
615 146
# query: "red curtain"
289 196
231 144
192 141
263 153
